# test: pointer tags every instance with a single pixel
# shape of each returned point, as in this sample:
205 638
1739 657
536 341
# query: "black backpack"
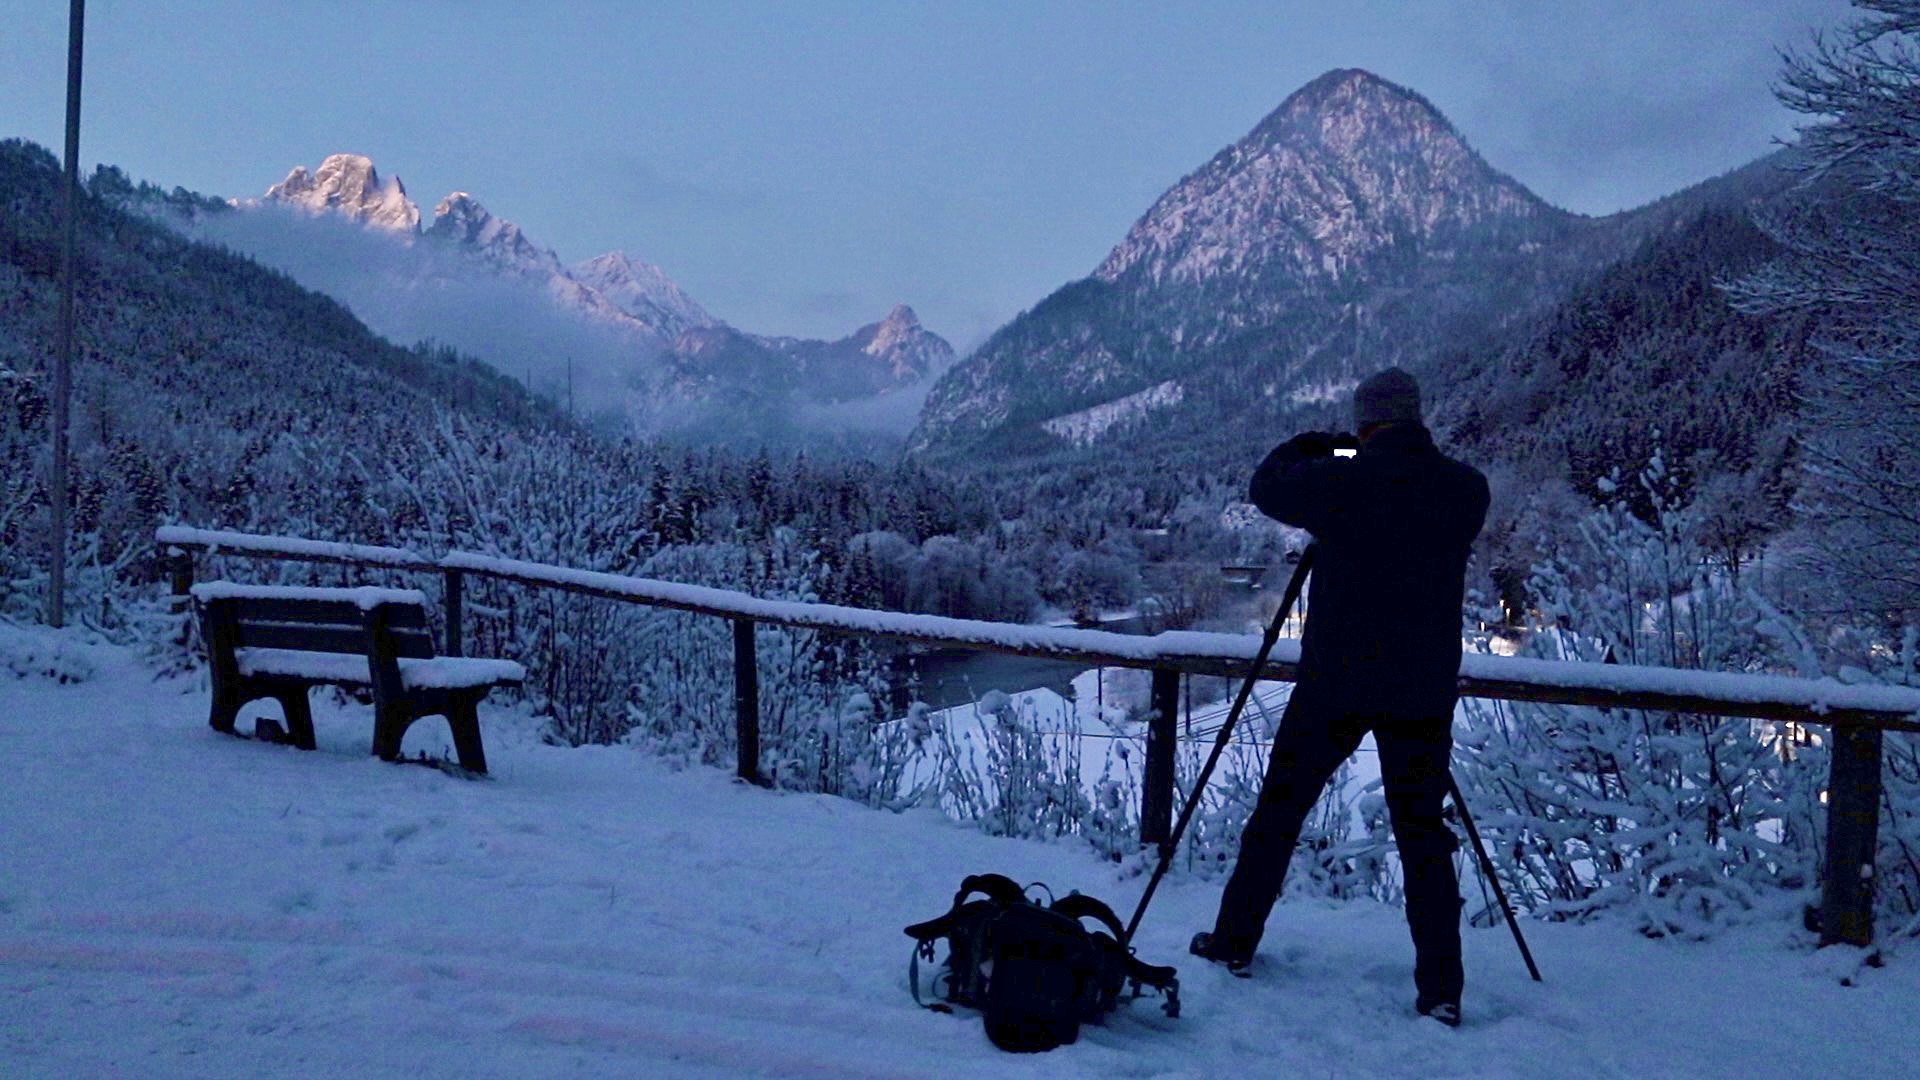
1034 972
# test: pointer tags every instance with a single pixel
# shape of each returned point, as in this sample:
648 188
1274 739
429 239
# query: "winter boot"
1206 948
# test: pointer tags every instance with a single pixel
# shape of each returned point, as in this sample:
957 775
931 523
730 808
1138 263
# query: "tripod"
1172 842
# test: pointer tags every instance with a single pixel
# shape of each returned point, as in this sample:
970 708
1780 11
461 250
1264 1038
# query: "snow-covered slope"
1088 425
175 903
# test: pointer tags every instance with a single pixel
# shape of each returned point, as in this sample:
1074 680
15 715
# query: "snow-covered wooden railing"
1764 697
1849 709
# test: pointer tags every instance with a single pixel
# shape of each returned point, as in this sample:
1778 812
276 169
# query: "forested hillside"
203 383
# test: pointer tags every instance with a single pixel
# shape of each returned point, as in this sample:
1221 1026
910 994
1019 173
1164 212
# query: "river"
946 677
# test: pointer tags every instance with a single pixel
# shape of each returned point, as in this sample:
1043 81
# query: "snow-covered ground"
174 902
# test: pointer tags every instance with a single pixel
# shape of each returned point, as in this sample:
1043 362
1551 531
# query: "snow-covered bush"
1682 822
1013 774
42 654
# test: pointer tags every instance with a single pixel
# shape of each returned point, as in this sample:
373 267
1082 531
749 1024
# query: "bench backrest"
334 626
384 625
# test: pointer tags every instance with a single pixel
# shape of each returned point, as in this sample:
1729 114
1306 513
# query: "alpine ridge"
877 359
617 329
460 219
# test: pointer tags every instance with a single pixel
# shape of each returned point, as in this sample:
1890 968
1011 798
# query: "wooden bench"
281 641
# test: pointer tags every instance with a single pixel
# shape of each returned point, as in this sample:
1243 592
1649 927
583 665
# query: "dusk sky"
799 168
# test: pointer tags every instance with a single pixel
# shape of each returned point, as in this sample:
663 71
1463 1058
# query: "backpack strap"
1082 906
999 892
999 888
1163 979
913 977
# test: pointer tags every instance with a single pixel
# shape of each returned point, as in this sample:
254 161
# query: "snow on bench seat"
365 597
441 672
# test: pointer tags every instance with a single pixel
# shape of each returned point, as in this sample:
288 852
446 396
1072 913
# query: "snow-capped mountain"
905 349
878 358
1348 166
484 239
460 219
643 291
617 329
628 296
348 184
1352 225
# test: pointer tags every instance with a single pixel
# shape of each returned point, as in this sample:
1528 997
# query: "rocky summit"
348 184
1349 166
642 290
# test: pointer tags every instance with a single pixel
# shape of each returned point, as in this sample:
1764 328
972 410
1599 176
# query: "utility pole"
63 359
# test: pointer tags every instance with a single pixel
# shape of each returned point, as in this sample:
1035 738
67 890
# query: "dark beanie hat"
1387 398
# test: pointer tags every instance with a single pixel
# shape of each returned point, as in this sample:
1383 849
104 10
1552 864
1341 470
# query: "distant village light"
63 357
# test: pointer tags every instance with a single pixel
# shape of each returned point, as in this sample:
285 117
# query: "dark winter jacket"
1392 528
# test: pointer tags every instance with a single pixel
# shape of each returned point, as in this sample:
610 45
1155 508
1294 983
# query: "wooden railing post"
456 641
746 700
1156 794
1853 835
180 569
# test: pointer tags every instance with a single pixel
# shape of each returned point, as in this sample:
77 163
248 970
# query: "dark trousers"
1315 736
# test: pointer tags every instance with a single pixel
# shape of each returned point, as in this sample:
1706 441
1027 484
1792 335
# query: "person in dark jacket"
1392 526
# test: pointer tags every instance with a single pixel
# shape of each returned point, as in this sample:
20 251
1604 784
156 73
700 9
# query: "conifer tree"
1852 241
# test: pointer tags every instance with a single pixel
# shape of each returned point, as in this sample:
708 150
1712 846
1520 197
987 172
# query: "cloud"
892 414
410 288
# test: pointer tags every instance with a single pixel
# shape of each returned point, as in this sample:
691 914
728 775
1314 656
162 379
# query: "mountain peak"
1343 83
349 184
1348 165
643 291
909 350
1350 108
461 219
460 216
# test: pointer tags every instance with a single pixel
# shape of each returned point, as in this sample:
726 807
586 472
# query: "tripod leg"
1220 741
1486 867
